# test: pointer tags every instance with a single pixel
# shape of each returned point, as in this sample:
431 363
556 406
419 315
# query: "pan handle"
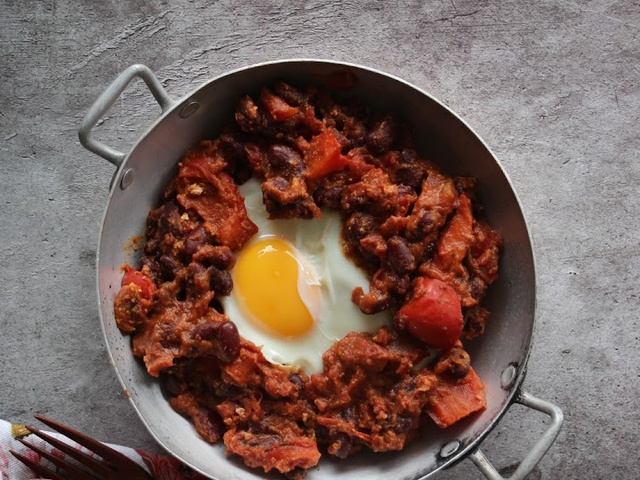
108 98
538 450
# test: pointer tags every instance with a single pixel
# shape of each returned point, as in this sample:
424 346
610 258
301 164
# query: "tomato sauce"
418 233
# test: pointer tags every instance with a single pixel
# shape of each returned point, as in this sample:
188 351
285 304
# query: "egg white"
326 268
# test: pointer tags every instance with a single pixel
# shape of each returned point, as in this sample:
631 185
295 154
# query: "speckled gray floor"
552 87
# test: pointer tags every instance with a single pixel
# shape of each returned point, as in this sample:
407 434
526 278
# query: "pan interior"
441 136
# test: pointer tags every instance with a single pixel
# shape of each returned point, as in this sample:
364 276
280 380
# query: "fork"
112 465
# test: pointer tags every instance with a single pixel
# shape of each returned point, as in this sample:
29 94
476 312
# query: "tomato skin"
433 314
147 287
277 108
323 156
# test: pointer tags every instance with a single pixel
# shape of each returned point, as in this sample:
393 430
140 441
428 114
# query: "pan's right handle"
108 98
539 449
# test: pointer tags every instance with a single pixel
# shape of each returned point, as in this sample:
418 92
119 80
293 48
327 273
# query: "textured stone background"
552 86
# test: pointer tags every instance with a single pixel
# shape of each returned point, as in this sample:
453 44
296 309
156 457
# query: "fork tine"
36 468
73 472
111 456
82 457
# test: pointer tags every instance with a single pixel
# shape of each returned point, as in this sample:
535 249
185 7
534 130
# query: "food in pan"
292 287
306 283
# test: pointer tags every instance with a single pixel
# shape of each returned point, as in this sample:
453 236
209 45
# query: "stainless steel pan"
499 357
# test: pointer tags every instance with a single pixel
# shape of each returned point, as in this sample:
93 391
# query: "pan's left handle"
539 449
108 98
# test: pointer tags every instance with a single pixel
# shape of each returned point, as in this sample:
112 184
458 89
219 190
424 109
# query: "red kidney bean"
280 204
232 149
220 281
229 340
342 445
477 287
196 268
410 170
409 156
382 136
169 266
328 190
405 424
296 380
290 94
205 331
191 246
406 191
426 220
358 226
152 265
169 218
409 175
219 256
223 258
399 255
198 280
196 239
400 284
424 224
208 424
455 363
284 158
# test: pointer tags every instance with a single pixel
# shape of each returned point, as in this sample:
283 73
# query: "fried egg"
292 287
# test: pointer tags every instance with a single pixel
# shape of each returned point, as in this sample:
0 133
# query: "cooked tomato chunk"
433 313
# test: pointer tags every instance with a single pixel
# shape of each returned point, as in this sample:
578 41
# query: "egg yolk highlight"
266 282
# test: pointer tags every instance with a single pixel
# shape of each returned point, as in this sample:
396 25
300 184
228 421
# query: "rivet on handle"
508 376
189 109
127 179
543 444
449 449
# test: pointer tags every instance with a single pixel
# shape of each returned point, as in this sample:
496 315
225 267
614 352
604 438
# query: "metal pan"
500 356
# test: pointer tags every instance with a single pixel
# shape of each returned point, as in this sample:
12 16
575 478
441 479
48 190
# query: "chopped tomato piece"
323 156
433 313
276 107
452 400
202 163
455 241
147 287
203 187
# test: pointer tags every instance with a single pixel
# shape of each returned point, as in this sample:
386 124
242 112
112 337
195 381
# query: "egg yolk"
266 283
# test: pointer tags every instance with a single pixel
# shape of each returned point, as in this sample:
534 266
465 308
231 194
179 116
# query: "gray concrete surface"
552 86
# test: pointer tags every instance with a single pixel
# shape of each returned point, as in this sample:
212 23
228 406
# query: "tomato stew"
418 233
